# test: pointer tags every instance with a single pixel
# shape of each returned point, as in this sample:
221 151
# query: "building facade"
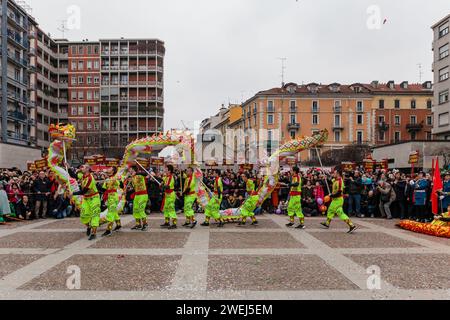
112 91
353 114
441 63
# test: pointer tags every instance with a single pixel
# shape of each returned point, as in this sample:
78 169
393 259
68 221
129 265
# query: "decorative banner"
144 162
369 163
112 162
291 161
348 166
414 157
31 166
157 161
95 160
382 165
228 162
41 164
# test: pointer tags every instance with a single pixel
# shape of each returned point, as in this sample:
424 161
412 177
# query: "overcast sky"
225 51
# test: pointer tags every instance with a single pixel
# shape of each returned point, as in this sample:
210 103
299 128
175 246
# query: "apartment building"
353 114
441 65
111 90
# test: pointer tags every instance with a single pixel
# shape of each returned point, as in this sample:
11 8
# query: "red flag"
437 185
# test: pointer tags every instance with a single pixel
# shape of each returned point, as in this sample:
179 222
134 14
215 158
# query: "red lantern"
323 209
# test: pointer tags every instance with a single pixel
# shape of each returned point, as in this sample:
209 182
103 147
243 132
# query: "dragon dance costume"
140 201
295 202
249 206
440 227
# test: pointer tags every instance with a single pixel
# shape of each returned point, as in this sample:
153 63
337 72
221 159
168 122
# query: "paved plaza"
265 262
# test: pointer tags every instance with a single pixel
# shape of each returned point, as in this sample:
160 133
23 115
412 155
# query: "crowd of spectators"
385 194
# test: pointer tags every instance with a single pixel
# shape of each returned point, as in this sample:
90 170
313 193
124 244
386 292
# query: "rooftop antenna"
420 72
63 28
283 69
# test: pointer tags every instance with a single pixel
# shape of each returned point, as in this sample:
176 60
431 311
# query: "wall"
17 156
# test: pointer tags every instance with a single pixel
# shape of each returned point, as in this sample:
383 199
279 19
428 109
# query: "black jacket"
41 187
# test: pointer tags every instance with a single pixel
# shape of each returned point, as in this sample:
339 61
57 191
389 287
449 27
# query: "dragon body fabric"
272 167
440 227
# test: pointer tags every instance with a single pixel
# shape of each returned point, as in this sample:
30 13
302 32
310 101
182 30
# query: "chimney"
391 84
375 84
404 85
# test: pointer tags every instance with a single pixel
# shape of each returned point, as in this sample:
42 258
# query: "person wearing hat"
140 199
445 193
189 198
91 205
336 206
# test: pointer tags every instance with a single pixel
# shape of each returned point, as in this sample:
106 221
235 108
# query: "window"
397 120
95 110
80 110
73 95
74 65
80 50
443 51
381 104
255 108
96 95
89 49
413 104
89 79
293 119
73 49
292 134
443 97
96 125
89 95
413 119
360 137
95 49
443 29
443 119
80 65
270 106
443 74
381 119
337 136
397 136
337 120
397 104
89 110
429 120
381 136
96 80
429 136
73 81
89 125
270 119
359 119
80 95
360 106
80 80
315 106
96 65
429 104
73 111
413 136
293 106
315 119
89 65
337 105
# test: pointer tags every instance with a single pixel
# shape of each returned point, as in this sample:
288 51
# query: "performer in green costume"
140 199
189 199
90 207
168 204
111 196
336 207
249 206
212 209
295 200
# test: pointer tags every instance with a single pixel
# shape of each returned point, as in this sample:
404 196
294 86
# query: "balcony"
270 110
337 109
17 116
383 126
293 109
294 126
414 127
338 127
